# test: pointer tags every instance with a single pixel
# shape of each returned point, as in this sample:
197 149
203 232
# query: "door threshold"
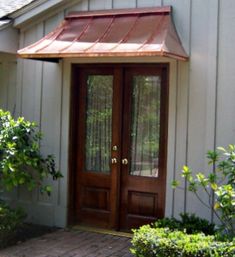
102 231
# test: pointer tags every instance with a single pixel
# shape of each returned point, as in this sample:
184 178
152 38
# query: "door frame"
73 128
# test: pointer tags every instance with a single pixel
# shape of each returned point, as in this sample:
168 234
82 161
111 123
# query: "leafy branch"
21 162
218 185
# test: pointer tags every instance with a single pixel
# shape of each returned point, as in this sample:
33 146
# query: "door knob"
124 161
114 160
115 148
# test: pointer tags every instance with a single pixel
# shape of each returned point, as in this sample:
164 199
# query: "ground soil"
25 232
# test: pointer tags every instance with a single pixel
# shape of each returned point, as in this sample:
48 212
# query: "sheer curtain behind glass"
98 122
145 128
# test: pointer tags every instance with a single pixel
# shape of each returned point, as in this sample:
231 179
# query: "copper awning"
122 33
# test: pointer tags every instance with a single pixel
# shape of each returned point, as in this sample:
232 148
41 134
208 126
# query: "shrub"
218 185
189 223
21 162
10 221
162 242
171 223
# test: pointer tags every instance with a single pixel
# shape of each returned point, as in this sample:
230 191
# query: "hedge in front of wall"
163 242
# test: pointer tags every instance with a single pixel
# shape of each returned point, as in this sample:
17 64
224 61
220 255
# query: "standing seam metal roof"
123 32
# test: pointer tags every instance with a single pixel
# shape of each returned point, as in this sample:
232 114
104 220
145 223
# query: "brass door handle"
114 160
124 161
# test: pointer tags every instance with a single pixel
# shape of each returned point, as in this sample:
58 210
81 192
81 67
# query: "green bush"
10 221
163 242
189 223
21 162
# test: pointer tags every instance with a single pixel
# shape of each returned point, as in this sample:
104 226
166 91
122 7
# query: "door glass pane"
98 123
145 126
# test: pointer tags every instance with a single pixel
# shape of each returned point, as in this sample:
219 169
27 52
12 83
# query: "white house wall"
201 97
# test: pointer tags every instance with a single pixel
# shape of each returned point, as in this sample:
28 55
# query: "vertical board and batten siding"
51 107
225 104
226 74
50 124
39 99
179 154
8 75
29 107
8 71
124 4
100 5
201 97
197 108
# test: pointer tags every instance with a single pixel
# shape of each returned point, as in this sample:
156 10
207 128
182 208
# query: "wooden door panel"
142 208
93 217
96 198
95 195
142 203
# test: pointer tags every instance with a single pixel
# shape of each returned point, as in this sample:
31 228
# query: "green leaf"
21 181
48 189
175 184
212 156
202 179
186 171
15 182
192 187
214 186
222 149
212 177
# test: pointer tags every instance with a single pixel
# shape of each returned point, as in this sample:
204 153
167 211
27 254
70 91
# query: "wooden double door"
119 144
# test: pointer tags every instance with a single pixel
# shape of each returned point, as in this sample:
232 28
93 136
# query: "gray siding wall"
8 76
201 97
8 72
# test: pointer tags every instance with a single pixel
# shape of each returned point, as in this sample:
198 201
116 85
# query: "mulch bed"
25 232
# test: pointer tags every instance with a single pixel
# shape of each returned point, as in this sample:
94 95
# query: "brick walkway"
72 244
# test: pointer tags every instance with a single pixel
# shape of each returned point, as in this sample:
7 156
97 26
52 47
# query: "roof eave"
4 24
54 56
36 9
26 9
